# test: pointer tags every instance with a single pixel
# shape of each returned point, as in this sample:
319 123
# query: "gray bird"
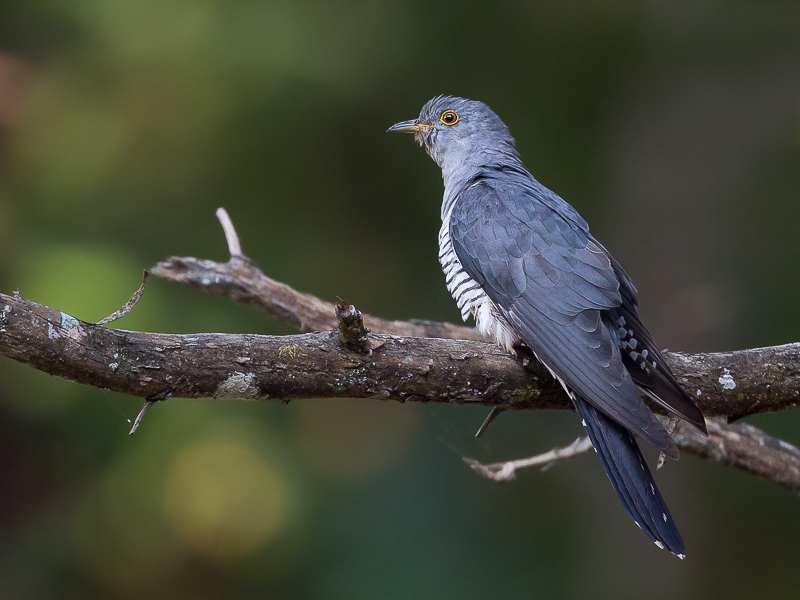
522 262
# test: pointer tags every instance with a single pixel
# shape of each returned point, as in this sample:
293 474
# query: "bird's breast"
468 294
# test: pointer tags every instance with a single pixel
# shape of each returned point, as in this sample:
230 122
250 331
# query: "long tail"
625 466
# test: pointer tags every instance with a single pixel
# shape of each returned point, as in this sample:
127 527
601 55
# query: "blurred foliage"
674 127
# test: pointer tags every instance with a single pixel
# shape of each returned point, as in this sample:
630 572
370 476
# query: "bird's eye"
449 117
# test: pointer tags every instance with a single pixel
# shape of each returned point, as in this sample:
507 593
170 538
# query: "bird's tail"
631 478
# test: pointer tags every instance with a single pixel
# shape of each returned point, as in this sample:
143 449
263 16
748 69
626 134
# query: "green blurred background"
673 127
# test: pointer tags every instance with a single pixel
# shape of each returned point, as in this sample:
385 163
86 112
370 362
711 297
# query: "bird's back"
551 284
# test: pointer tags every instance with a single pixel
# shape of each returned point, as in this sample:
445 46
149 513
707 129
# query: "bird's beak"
412 126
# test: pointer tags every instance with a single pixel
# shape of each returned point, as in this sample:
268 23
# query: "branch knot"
352 333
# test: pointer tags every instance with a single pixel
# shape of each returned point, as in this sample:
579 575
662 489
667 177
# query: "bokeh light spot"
222 500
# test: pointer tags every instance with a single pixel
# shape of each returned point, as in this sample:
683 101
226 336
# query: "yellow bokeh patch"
223 500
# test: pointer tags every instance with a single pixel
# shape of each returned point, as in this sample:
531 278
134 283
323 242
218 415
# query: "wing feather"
554 284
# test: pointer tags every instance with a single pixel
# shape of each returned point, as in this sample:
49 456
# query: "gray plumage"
521 261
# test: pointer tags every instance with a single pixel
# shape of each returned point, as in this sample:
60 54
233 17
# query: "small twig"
128 307
670 425
141 415
158 397
496 410
507 471
234 247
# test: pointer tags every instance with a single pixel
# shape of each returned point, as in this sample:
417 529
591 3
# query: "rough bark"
319 365
241 280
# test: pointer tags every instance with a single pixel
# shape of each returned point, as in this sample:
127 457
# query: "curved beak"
412 126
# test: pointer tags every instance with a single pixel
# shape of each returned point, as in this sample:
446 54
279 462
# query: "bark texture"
321 365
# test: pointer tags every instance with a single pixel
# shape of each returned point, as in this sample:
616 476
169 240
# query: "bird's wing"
551 281
643 359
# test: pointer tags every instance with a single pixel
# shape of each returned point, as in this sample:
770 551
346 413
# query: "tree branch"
241 280
260 367
740 446
156 366
426 364
745 448
319 366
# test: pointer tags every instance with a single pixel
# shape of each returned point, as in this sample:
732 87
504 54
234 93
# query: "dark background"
673 127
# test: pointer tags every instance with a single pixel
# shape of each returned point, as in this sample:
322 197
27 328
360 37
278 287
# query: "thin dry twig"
670 425
493 414
145 409
507 470
128 307
234 247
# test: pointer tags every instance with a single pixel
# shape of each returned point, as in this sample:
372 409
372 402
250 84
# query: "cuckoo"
522 262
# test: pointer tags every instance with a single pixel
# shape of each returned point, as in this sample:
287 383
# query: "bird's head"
457 131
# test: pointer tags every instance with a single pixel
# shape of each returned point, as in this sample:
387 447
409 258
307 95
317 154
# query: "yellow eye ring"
449 117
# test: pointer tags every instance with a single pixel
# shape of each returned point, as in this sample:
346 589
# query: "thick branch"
156 365
318 366
732 384
254 367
